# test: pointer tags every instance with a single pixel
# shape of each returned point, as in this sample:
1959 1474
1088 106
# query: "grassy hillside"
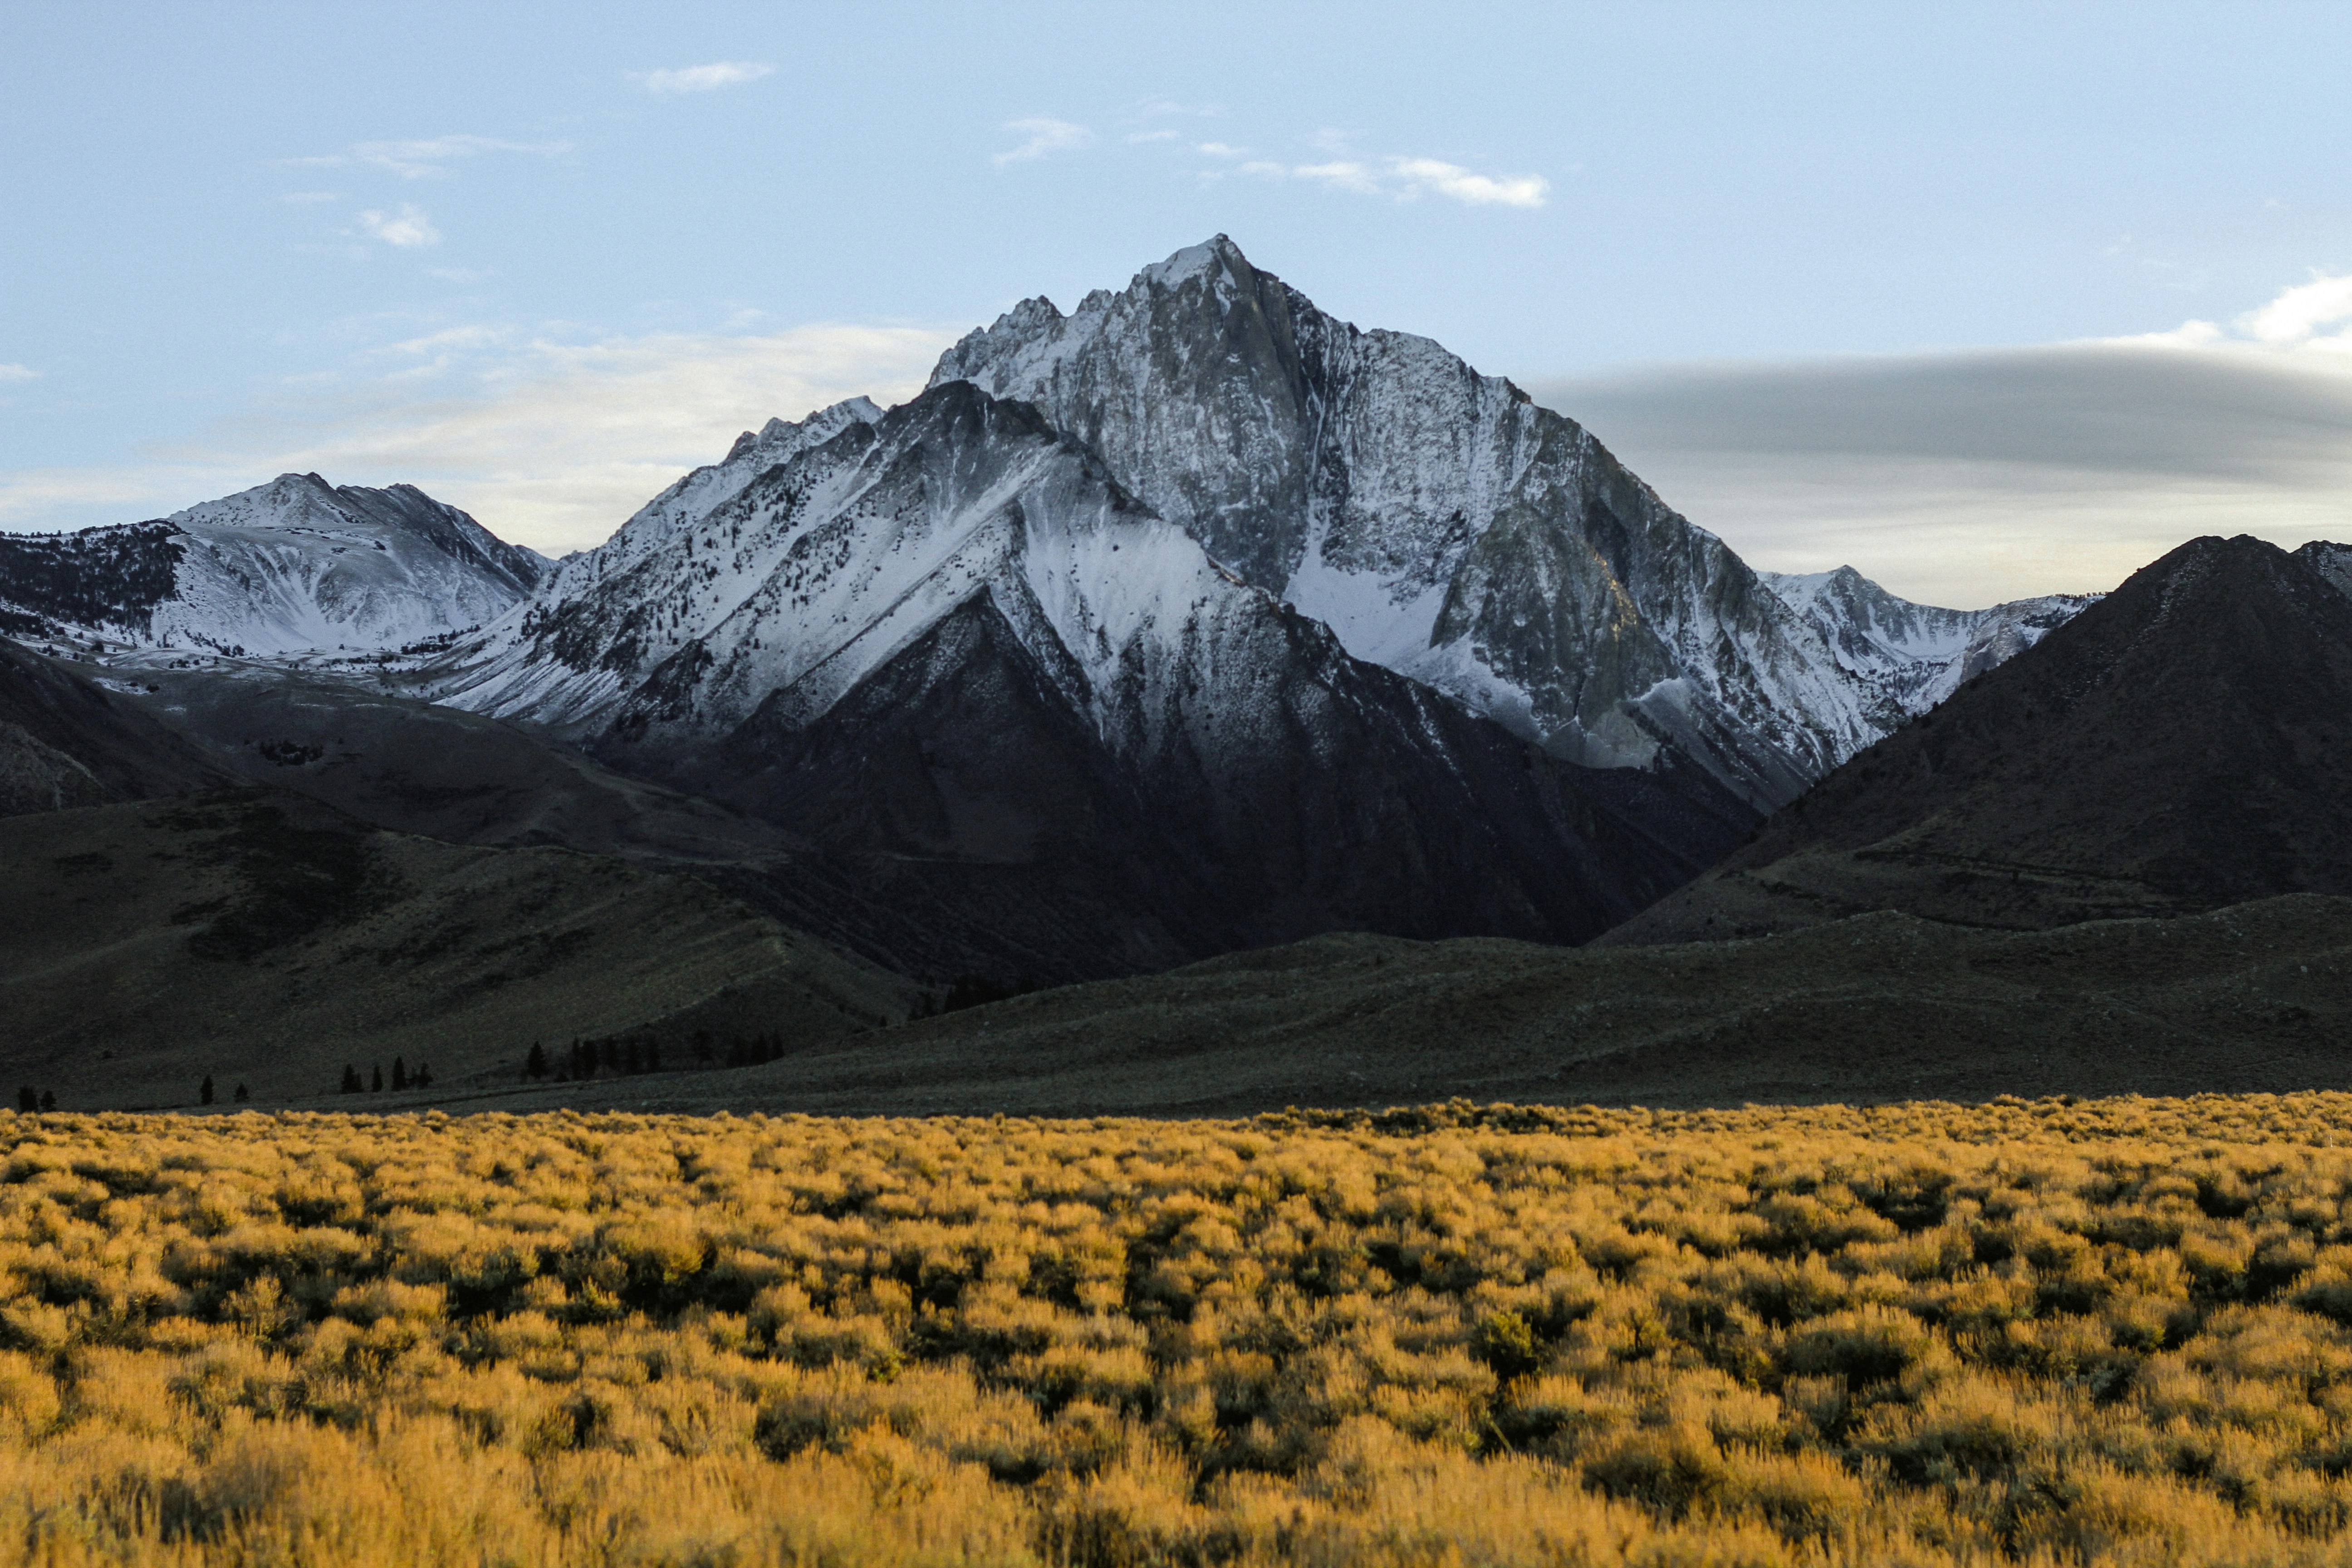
1877 1007
260 937
2113 1331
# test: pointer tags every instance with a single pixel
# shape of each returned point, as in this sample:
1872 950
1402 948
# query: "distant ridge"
293 565
2183 744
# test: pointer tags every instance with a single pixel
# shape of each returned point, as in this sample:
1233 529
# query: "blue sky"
539 259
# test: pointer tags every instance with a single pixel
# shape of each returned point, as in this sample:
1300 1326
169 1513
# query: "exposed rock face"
1443 524
947 632
289 566
2183 744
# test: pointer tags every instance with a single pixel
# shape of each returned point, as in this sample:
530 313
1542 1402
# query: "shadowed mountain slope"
261 934
2183 744
260 937
65 742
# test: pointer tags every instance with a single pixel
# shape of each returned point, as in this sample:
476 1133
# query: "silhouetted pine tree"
205 1091
399 1073
423 1077
28 1098
535 1064
653 1055
241 1097
350 1084
49 1099
375 1082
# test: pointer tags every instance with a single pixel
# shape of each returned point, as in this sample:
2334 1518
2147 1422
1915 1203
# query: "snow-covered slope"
1443 524
1914 656
947 632
786 575
292 566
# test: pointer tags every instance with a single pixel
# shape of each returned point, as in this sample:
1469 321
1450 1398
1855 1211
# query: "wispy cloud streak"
1043 137
704 79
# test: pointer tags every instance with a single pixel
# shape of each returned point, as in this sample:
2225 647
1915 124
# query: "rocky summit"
1441 523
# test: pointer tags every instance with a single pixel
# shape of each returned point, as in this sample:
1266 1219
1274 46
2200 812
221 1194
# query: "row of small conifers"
2111 1331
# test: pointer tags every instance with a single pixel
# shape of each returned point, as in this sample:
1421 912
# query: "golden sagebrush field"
1919 1333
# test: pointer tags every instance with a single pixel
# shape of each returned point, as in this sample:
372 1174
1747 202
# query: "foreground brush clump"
1918 1333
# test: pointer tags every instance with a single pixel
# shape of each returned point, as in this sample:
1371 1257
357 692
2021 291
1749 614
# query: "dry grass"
1919 1333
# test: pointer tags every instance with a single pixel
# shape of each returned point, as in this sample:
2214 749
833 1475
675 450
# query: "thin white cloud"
1043 136
1420 174
1407 179
1221 149
2298 313
550 444
18 373
704 79
1342 174
408 228
428 157
2289 326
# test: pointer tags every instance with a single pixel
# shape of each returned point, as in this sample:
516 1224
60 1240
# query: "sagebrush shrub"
2118 1331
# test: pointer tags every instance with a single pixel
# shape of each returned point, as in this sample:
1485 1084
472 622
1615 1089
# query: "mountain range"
1189 622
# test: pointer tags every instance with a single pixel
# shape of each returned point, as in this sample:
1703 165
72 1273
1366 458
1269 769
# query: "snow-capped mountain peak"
950 628
1914 656
1440 522
289 566
1448 528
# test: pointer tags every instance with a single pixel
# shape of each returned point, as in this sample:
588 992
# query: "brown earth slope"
2183 744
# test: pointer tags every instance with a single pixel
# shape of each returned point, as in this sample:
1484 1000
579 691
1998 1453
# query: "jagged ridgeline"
2179 746
109 578
1449 528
